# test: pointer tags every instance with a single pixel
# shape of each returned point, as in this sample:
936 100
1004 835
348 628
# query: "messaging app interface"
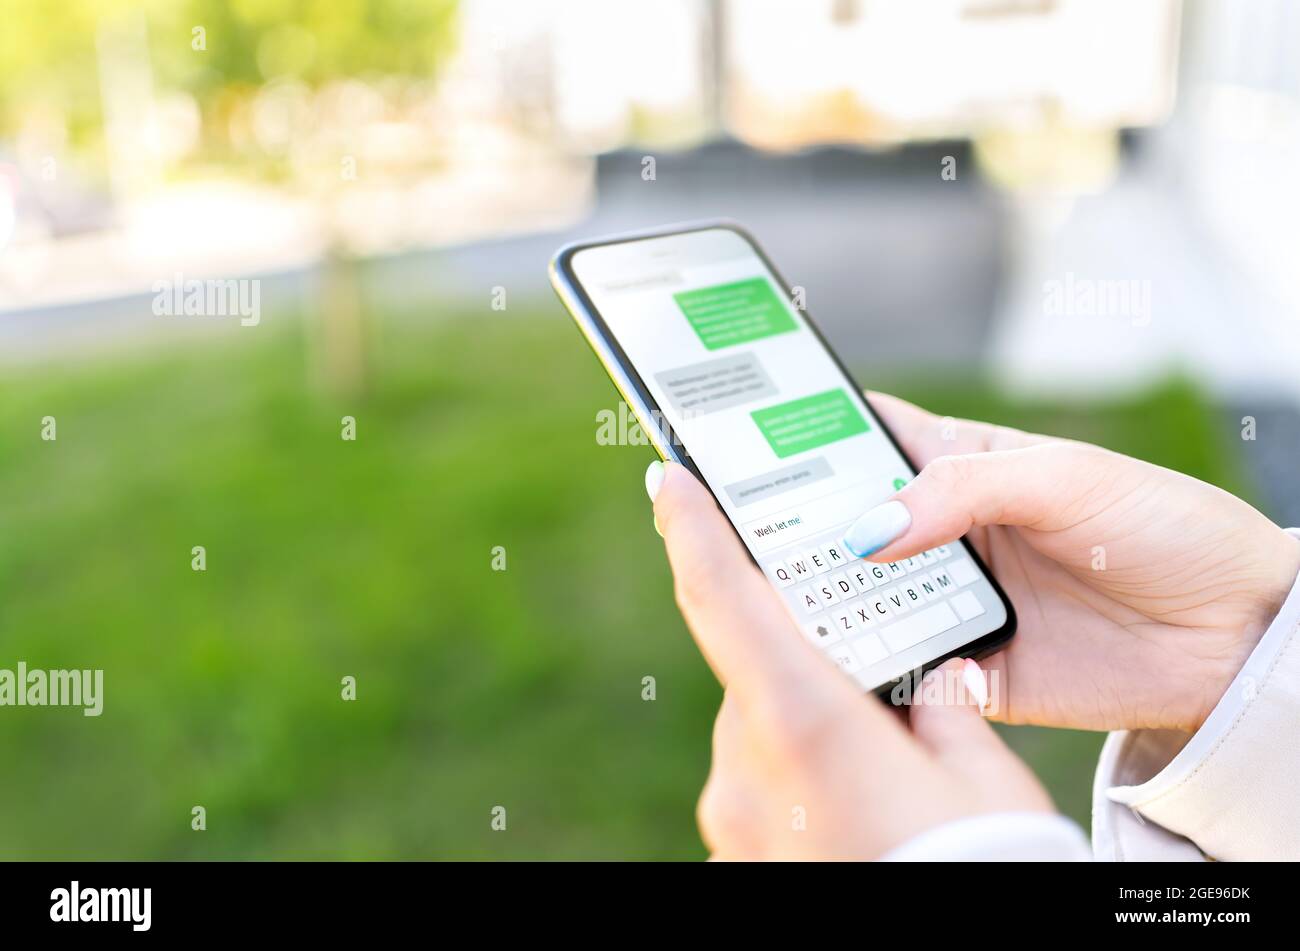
786 443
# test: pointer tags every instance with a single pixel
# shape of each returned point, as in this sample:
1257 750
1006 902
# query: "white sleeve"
1229 792
997 837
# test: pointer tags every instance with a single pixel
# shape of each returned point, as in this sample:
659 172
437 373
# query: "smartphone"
728 376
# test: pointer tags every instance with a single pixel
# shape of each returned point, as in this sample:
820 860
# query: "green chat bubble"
809 422
727 314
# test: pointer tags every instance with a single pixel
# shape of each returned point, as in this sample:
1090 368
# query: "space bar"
913 630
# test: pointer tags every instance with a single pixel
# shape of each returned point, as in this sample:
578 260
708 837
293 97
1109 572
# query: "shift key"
918 627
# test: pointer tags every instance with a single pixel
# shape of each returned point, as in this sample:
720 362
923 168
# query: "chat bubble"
809 422
713 385
778 481
739 312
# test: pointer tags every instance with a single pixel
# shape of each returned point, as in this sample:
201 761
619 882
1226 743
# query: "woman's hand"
805 765
1140 591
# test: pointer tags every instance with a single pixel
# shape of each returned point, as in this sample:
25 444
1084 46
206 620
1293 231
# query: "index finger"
925 436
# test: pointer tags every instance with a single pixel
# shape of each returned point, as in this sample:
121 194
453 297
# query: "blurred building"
938 174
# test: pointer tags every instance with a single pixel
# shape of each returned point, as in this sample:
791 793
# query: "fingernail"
976 683
877 528
654 478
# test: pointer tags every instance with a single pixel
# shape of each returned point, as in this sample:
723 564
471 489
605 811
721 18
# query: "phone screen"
787 444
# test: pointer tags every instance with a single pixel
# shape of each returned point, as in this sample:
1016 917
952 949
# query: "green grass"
372 558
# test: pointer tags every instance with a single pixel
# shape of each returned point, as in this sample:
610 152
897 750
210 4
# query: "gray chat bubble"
777 481
713 385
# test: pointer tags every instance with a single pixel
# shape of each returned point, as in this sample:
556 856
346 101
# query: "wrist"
1282 579
1280 560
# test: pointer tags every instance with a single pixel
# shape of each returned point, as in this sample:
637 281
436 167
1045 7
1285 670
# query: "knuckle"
950 472
1068 452
1065 452
1066 465
1003 438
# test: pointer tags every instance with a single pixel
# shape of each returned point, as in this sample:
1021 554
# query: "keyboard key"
834 555
818 561
963 572
862 615
943 551
967 605
879 606
912 564
912 590
843 587
807 600
929 588
861 579
800 570
878 573
896 570
897 601
943 581
844 621
928 558
869 649
918 627
845 658
821 631
780 572
826 594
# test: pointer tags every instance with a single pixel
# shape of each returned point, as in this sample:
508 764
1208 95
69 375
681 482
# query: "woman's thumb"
947 719
1033 487
947 707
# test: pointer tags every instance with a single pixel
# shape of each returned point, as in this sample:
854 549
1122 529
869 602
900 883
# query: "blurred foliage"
372 558
50 52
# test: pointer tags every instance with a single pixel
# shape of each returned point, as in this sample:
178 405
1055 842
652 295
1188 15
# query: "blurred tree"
293 92
48 51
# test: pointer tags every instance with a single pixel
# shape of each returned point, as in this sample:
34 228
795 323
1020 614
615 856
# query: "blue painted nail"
877 528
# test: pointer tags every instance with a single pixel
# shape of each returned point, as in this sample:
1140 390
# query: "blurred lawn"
373 558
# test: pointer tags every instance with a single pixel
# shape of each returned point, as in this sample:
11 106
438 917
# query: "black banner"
210 900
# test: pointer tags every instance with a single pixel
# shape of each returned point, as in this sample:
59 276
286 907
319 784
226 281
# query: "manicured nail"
654 478
976 683
877 528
